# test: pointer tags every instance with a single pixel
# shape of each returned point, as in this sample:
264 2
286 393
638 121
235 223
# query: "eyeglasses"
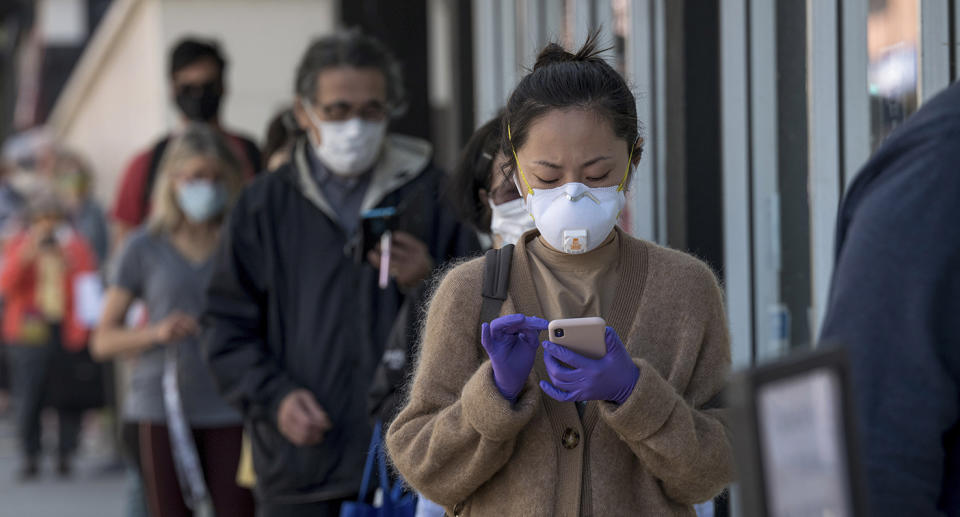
373 111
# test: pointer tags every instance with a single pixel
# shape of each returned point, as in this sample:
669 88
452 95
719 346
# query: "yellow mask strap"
519 169
626 174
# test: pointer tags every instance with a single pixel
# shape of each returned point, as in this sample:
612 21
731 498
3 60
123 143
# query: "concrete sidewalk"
93 491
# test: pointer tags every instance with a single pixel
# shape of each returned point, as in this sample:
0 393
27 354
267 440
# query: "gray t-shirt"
154 271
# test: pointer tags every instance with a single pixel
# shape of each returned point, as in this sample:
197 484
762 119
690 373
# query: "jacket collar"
402 160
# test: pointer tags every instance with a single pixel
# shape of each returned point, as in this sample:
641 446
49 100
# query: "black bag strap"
496 281
155 159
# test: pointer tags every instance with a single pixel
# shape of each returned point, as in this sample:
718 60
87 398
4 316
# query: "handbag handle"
372 453
376 453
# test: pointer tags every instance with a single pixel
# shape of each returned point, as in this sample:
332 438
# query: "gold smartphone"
582 335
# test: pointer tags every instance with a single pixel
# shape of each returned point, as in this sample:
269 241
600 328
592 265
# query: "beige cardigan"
462 445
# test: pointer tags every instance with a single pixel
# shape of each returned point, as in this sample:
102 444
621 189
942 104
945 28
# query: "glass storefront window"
893 46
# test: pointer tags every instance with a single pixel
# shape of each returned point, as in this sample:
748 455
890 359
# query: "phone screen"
374 223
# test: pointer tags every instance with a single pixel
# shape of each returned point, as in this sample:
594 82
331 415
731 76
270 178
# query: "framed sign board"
794 438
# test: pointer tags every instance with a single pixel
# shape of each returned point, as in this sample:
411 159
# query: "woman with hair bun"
499 422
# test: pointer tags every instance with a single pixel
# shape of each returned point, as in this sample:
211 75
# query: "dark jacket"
385 398
290 307
895 303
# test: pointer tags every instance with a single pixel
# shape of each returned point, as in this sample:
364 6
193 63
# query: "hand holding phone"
407 258
577 378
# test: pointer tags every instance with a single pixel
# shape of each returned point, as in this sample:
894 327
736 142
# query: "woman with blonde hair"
187 432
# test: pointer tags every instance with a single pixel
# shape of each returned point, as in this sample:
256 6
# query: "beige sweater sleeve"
456 430
682 444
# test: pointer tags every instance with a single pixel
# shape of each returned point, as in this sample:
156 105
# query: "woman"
482 195
40 266
495 427
167 265
282 133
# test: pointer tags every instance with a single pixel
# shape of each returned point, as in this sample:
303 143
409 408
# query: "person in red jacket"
40 267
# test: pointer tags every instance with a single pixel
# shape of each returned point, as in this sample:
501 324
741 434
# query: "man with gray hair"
315 262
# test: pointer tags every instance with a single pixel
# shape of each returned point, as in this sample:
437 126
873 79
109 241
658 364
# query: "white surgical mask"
573 217
510 220
350 147
201 200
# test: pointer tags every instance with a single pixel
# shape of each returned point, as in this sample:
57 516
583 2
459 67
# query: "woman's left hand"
578 378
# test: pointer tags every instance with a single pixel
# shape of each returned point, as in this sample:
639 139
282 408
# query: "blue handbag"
395 502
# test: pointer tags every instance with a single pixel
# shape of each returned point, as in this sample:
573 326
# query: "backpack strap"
496 281
148 185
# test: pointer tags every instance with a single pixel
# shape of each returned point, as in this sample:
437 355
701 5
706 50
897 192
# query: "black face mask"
200 102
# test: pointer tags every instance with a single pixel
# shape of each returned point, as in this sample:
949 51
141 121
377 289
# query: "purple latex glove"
611 378
511 343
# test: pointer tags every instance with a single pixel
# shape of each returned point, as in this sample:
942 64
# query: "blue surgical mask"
201 200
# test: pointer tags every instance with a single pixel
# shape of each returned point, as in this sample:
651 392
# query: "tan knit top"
462 445
574 286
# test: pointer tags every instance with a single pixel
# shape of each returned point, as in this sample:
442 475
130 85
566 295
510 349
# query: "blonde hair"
196 140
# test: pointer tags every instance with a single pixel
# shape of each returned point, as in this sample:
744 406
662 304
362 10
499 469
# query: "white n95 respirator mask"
575 218
349 147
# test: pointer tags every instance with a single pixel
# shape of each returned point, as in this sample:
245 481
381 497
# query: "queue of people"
285 311
286 317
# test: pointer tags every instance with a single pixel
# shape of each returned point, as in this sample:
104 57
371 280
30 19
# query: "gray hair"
355 49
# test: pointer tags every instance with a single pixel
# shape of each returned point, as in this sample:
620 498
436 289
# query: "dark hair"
191 50
281 132
472 173
562 80
355 49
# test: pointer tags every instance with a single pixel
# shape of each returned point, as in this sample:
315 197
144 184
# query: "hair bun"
554 53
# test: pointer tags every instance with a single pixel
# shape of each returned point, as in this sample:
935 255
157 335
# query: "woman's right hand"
175 327
511 341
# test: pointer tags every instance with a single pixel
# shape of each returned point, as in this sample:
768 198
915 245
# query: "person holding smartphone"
40 267
303 297
499 422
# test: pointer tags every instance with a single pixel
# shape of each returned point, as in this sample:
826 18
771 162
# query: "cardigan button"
570 439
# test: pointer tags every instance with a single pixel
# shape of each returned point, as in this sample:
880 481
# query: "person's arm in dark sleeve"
247 373
894 305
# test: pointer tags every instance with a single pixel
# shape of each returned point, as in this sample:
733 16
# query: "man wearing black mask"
197 83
